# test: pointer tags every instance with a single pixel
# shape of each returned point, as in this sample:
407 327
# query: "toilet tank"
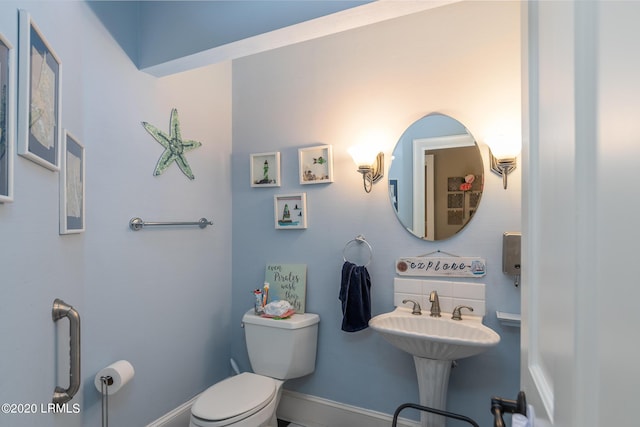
283 348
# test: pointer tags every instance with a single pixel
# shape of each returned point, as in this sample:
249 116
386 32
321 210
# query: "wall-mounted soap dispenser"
511 255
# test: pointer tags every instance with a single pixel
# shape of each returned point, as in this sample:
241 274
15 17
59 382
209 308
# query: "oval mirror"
436 177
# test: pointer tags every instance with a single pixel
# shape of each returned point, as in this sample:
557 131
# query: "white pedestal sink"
434 343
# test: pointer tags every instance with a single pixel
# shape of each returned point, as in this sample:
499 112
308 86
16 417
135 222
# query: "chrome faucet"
456 311
435 304
416 306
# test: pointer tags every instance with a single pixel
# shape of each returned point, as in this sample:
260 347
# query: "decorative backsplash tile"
451 294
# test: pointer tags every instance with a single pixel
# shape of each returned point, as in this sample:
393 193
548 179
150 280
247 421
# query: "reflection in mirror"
436 177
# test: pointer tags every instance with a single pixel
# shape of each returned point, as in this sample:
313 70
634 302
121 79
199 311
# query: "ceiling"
166 37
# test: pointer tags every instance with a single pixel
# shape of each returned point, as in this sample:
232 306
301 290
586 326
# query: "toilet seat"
233 399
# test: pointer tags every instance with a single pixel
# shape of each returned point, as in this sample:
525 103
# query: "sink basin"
434 342
438 338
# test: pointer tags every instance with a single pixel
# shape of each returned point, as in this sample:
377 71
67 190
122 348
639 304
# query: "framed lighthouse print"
38 96
290 211
265 170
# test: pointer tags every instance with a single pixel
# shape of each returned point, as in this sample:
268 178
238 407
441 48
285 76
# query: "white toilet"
278 350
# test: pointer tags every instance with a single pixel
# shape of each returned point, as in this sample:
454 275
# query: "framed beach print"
7 86
290 211
38 96
71 185
316 164
265 170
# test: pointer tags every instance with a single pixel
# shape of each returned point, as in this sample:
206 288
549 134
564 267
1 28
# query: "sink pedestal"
433 382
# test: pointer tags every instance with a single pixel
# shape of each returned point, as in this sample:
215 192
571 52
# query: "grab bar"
59 311
137 223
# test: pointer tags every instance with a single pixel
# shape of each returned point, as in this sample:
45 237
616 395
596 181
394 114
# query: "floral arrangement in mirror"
468 181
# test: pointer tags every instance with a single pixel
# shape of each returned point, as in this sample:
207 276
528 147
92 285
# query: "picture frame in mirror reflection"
316 164
72 186
290 211
265 169
7 88
39 96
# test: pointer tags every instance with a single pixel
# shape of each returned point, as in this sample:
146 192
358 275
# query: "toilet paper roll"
120 372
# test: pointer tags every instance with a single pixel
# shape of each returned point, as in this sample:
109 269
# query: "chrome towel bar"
61 310
137 223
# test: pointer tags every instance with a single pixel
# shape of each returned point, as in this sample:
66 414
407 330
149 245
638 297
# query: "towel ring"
359 239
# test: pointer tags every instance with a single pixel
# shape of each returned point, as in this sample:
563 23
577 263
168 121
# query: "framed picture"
265 170
316 164
290 211
7 86
38 96
71 185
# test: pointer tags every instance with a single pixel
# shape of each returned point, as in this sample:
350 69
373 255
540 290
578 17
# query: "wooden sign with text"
287 282
441 266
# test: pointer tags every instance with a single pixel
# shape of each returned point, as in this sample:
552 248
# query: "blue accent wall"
332 91
166 30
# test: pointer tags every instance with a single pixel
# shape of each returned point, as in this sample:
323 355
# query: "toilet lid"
234 396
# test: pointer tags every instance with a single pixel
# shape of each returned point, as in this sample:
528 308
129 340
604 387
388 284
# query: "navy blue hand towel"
355 294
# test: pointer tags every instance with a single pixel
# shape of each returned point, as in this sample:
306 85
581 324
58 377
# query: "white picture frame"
72 185
316 164
290 211
265 169
39 96
7 98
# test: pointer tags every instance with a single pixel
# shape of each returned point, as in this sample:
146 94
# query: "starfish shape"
175 146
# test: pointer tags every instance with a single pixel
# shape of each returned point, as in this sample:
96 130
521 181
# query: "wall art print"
7 86
39 96
287 282
265 170
290 211
72 188
175 147
316 164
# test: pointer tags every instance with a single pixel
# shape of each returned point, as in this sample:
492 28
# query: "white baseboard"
303 409
312 411
178 417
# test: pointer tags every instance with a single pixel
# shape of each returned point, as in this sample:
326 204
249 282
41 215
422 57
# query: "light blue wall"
461 60
158 298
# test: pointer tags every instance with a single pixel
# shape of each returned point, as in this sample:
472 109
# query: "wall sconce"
503 153
370 164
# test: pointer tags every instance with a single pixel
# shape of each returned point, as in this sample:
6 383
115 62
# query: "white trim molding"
312 411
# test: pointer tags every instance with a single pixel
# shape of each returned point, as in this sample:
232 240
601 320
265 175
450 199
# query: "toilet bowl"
245 400
278 350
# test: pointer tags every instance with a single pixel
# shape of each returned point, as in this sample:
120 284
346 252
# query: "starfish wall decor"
175 147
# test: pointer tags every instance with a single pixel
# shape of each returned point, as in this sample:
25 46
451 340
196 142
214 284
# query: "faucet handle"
456 311
435 304
416 307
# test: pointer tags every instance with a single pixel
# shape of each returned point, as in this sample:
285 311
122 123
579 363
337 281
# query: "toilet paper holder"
108 380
